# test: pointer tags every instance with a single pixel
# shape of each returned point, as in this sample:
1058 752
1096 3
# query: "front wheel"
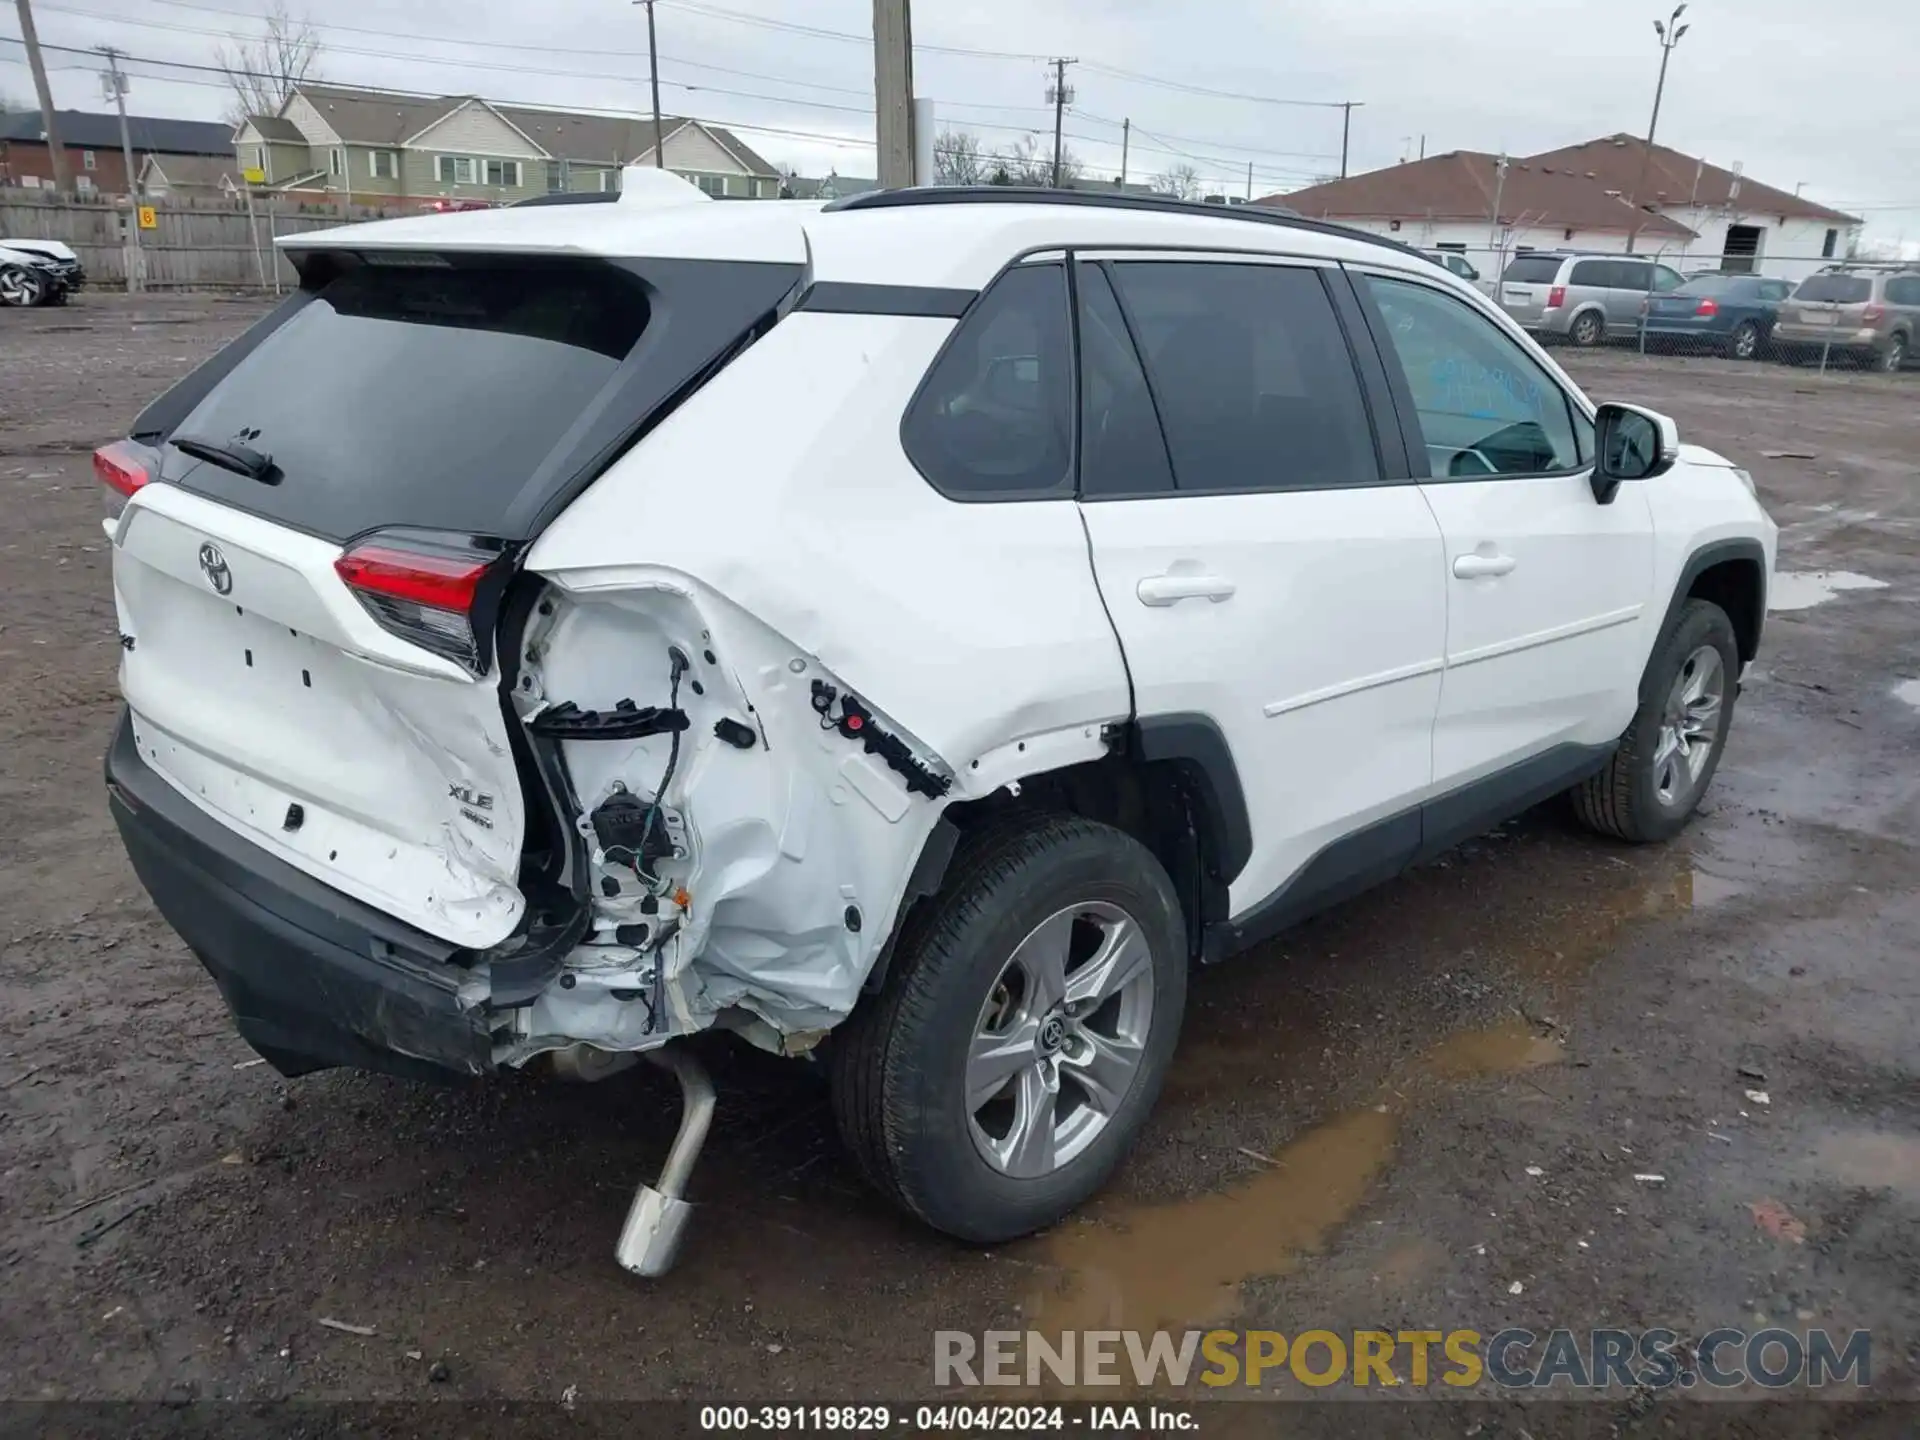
1023 1032
1653 783
21 286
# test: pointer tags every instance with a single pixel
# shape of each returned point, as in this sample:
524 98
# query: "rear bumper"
1841 337
314 978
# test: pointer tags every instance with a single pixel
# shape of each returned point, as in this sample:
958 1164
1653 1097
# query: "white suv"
912 631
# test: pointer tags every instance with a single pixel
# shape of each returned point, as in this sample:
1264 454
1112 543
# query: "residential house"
333 142
95 161
1740 223
1449 202
190 177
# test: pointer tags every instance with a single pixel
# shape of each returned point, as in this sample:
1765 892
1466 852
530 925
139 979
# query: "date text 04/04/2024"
939 1419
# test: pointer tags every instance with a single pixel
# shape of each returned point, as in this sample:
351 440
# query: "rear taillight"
427 594
1873 314
1707 307
1556 297
122 468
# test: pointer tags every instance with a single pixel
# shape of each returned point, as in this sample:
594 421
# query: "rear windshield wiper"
229 455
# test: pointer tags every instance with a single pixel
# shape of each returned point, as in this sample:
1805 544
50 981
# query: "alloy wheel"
1689 726
1746 341
19 287
1060 1039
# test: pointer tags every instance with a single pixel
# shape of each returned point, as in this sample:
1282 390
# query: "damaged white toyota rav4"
911 632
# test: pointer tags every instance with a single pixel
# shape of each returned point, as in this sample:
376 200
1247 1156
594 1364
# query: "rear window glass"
1842 289
1532 269
1718 285
422 396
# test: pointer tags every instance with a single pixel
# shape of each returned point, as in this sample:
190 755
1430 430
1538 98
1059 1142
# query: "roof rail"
1097 199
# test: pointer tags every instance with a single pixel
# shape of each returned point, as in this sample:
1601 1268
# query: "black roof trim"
1097 199
568 197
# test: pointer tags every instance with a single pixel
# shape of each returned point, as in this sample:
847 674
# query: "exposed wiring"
680 664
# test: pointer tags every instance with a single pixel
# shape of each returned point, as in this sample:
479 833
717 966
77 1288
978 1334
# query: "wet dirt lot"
1431 1109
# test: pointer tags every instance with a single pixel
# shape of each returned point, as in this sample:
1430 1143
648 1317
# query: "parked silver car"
1582 298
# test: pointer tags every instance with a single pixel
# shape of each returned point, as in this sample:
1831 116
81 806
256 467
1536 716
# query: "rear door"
1525 286
307 592
1266 563
1544 584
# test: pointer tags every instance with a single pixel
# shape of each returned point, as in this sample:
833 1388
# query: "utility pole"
1669 31
653 75
893 92
1493 226
1249 182
1059 96
116 83
56 152
1347 107
1126 139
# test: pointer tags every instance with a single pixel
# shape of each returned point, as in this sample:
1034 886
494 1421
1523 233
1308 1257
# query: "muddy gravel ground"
1430 1109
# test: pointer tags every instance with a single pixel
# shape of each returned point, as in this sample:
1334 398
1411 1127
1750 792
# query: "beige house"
377 147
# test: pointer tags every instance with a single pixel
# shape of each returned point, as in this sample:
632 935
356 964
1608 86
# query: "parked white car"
38 272
910 632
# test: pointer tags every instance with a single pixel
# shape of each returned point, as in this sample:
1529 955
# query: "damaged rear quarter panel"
777 513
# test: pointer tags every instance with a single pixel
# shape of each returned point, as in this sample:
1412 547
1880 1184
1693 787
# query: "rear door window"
1122 452
1629 274
1665 279
1532 269
445 395
1250 370
994 418
1597 273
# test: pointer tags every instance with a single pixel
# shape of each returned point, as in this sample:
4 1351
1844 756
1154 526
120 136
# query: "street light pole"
1669 30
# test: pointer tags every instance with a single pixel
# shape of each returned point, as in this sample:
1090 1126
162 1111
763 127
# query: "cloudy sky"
1818 96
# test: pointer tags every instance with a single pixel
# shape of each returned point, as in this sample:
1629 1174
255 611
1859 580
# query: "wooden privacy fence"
195 245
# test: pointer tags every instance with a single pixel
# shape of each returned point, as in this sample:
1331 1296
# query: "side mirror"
1633 444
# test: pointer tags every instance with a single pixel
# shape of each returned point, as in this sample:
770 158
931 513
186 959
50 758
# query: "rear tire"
1893 358
1588 329
913 1068
1744 343
1666 759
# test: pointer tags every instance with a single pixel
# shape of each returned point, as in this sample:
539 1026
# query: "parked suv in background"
1101 585
1582 298
1872 314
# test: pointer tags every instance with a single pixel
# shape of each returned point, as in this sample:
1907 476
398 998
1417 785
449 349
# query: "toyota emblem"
214 566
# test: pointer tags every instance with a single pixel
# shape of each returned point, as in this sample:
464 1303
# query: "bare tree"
1028 162
265 71
958 159
1181 181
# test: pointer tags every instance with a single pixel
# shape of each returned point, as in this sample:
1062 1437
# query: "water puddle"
1803 589
1872 1160
1909 691
1181 1264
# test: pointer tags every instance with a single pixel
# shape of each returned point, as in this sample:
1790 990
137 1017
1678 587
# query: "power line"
222 84
817 32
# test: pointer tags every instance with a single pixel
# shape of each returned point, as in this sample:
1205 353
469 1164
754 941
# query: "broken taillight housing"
122 468
439 594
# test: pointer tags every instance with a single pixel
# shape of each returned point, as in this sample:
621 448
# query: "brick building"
95 162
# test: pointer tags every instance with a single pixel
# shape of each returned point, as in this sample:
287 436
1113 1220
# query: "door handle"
1476 567
1171 589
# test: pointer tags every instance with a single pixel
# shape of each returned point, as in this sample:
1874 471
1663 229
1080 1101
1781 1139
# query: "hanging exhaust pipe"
657 1222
